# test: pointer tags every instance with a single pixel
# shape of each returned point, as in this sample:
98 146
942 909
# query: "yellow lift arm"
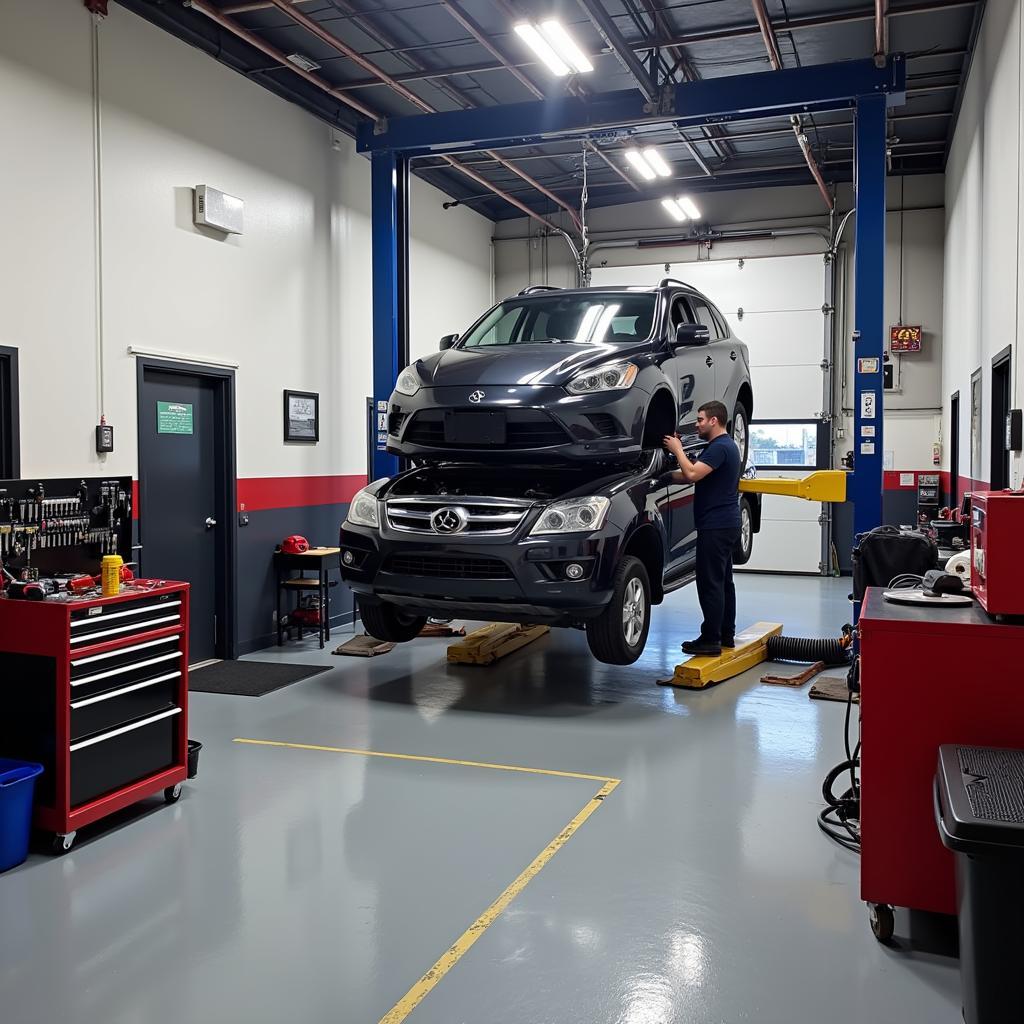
825 485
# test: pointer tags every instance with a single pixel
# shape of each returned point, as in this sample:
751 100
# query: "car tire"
390 623
745 545
739 431
618 635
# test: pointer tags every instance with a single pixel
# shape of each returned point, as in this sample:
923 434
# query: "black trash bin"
979 809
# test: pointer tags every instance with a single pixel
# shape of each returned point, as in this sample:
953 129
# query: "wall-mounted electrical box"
212 208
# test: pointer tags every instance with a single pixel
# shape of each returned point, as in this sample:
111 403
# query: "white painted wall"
984 229
289 300
913 414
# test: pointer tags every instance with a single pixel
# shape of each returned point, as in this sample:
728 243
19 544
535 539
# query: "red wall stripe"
135 500
258 493
891 481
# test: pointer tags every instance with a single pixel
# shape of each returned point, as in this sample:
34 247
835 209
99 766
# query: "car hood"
509 365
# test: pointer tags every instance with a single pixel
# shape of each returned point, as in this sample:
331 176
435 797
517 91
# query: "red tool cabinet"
96 690
928 677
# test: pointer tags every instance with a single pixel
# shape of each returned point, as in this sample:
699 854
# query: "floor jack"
752 643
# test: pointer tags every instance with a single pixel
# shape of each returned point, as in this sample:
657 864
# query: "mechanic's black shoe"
729 642
703 648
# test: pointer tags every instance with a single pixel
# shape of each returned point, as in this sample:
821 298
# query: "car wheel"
618 635
740 431
387 622
745 545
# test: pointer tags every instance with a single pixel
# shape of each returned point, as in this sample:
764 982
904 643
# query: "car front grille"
449 567
395 421
525 428
493 516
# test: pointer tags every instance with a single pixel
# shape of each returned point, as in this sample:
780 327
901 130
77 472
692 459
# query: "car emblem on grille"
450 519
477 396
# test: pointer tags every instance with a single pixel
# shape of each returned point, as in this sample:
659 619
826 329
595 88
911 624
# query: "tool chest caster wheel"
62 842
172 794
883 921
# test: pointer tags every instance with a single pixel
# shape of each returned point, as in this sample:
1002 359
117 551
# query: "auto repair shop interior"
348 556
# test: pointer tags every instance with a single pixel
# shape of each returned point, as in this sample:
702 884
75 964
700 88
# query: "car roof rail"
666 281
539 288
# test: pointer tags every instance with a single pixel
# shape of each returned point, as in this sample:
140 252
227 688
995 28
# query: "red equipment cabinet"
997 526
96 690
928 677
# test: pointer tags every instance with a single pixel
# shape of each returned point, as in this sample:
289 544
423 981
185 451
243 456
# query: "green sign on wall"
173 418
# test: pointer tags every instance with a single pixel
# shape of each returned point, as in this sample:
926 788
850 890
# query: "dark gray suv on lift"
539 490
596 374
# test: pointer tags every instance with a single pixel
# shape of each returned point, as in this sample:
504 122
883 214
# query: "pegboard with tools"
64 526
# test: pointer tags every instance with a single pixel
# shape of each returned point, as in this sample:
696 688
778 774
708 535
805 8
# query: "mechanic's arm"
689 471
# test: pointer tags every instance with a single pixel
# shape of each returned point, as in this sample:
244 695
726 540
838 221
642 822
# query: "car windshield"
601 317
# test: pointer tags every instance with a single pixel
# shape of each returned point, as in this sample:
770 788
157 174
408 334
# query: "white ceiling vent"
215 209
300 60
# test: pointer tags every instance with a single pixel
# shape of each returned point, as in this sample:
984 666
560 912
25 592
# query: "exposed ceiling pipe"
317 30
771 44
597 151
881 32
275 54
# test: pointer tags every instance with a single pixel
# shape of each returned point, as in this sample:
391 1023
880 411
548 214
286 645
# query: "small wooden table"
315 559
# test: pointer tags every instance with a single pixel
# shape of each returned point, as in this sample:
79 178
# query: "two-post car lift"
870 88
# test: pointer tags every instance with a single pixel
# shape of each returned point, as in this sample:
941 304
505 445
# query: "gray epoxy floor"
307 886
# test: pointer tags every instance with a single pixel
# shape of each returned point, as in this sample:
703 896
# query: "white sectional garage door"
775 305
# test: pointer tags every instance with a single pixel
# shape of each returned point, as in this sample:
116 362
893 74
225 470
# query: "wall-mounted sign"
174 418
867 365
867 405
904 338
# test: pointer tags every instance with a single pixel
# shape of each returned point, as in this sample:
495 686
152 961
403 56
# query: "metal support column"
390 256
869 312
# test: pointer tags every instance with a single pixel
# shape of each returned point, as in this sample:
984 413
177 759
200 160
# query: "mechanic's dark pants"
715 589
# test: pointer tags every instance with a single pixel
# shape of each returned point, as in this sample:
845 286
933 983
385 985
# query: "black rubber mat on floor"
249 678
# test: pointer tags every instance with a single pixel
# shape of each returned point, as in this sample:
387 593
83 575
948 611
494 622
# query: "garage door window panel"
788 445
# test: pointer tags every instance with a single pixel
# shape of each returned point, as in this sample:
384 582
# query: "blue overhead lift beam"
865 86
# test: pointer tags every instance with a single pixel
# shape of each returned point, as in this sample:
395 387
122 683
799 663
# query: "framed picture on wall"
975 424
301 417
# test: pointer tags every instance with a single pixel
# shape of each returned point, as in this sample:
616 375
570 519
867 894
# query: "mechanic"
716 510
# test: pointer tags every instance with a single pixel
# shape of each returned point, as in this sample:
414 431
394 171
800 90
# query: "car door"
712 385
694 369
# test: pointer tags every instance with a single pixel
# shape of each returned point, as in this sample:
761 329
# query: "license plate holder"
472 427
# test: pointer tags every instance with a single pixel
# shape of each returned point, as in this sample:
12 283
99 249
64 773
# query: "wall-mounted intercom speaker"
215 209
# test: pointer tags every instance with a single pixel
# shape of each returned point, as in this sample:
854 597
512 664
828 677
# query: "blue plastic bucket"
17 787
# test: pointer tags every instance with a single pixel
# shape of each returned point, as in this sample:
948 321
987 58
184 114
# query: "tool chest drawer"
126 704
114 670
102 624
114 759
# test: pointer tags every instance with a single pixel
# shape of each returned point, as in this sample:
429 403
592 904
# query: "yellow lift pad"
486 645
751 649
825 485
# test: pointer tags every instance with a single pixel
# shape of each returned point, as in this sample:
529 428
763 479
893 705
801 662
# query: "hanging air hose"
796 648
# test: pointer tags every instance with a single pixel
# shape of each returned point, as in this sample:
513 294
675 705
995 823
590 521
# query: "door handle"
210 522
709 361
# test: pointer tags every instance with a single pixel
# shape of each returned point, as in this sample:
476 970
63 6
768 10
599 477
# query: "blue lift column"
390 249
869 312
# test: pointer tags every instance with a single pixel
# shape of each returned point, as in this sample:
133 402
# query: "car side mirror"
447 341
692 334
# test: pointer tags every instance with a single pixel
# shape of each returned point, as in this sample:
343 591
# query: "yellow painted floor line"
401 1010
430 760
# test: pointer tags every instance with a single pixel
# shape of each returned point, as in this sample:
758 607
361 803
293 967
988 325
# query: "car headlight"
408 382
610 377
362 510
574 515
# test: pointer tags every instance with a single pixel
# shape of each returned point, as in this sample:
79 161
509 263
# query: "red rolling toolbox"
928 677
96 690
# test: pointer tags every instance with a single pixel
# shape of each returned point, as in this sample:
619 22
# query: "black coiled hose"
797 648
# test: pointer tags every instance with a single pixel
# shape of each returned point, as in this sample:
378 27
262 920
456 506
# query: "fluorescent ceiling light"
690 207
565 46
673 207
642 167
300 60
542 48
657 162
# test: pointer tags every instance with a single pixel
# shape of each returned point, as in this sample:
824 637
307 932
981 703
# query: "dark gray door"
1000 475
181 441
9 461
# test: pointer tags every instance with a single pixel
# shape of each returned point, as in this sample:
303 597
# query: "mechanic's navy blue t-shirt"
716 503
